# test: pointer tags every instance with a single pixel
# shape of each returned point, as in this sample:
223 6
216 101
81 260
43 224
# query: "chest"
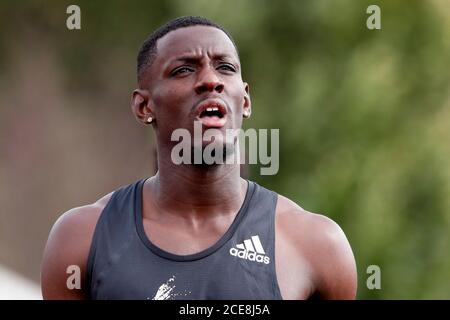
140 275
181 239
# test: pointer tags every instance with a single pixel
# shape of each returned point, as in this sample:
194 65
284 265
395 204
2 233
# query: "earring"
246 114
149 120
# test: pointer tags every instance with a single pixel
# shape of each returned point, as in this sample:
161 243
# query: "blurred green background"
364 119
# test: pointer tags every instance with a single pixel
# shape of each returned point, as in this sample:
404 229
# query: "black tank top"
124 264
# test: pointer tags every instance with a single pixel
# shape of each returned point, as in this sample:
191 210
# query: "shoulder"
80 217
323 245
68 244
293 218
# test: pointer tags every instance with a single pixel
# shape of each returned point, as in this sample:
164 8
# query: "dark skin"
197 204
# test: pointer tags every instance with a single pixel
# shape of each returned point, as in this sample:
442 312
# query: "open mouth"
212 113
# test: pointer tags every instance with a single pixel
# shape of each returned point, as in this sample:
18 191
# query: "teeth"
212 109
209 109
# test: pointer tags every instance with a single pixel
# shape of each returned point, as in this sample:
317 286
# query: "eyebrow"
195 58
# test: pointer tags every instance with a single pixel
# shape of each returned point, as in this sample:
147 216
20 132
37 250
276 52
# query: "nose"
208 81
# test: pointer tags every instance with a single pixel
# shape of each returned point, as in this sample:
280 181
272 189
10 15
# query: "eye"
227 67
181 70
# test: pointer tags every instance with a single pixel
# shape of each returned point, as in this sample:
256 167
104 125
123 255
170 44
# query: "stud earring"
246 114
149 120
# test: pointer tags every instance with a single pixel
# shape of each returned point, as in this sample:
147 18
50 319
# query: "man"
195 231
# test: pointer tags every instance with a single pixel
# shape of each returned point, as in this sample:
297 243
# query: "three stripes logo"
251 250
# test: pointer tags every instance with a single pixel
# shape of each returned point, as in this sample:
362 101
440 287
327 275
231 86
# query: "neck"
197 191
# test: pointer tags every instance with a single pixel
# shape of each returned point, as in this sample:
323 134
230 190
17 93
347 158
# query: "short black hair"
147 53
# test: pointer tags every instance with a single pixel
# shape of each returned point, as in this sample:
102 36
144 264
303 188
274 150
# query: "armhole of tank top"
276 287
90 263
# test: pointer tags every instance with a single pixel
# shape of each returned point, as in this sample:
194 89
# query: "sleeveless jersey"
124 264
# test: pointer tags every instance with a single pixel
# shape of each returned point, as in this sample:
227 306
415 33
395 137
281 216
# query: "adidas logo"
251 250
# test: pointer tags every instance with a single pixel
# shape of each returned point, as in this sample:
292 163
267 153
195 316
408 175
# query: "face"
196 76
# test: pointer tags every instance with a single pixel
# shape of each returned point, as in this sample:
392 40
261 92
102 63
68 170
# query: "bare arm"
335 267
314 258
68 245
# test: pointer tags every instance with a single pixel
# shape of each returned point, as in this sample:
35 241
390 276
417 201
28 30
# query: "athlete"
195 231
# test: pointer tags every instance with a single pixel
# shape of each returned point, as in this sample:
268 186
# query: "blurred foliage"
364 115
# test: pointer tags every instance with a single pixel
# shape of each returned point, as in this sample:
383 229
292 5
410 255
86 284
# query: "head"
186 67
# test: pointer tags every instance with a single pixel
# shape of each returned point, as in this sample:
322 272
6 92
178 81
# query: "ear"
141 105
247 101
